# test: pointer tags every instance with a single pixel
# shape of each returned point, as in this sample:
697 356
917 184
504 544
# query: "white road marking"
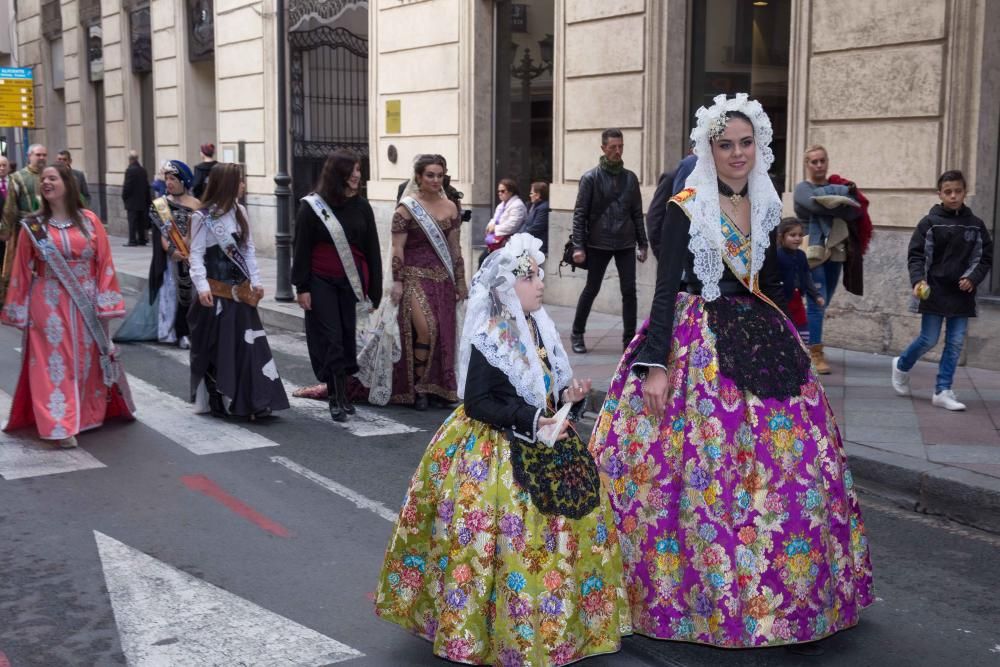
199 434
290 344
367 423
22 455
168 617
362 502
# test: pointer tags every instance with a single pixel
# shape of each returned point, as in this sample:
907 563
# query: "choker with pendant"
734 197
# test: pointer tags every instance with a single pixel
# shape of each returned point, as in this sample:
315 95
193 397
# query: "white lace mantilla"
765 205
496 325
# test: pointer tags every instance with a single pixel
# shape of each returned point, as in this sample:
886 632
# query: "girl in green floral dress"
505 551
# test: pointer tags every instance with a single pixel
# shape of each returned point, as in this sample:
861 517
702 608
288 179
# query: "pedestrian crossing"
368 422
23 455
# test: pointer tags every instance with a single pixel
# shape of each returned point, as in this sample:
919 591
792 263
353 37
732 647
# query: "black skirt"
229 349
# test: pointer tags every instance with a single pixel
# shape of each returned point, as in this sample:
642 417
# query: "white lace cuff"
528 437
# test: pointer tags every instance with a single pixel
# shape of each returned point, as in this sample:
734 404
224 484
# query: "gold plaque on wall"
393 117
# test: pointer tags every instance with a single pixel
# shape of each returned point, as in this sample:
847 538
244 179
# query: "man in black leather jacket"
607 224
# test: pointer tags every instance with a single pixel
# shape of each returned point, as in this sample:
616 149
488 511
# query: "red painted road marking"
370 596
4 662
204 485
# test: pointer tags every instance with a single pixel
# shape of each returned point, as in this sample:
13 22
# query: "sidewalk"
941 462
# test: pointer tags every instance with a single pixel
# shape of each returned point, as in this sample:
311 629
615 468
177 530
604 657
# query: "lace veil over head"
765 204
496 325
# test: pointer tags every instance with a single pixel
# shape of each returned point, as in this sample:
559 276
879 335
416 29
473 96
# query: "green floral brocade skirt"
475 568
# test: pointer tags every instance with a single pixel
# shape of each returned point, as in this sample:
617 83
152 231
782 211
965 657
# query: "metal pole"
282 191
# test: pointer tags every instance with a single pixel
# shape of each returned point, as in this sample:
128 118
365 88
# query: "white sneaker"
184 343
946 399
900 379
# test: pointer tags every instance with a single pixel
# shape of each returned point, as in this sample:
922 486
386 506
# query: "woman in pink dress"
63 290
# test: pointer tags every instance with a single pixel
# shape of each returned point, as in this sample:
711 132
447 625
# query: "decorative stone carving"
201 30
141 40
307 14
51 19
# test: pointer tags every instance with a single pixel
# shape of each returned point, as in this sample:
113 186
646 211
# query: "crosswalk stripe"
367 423
175 420
359 500
22 455
169 617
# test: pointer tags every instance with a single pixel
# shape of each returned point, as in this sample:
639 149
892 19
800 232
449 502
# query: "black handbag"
567 257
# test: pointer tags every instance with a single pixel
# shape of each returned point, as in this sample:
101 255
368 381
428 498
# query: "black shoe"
129 245
444 404
420 403
811 650
260 414
337 412
216 405
578 345
345 402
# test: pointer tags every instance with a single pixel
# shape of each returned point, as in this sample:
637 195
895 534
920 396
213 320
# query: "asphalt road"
282 540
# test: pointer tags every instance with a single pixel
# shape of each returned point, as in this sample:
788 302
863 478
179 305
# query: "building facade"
897 91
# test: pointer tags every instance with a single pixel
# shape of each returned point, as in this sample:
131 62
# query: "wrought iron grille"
329 100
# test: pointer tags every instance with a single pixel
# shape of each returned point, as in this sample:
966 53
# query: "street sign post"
17 97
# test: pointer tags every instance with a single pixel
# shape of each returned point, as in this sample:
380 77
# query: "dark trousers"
597 264
331 327
137 223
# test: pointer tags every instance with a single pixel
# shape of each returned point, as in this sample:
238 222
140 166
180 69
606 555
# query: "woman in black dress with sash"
326 289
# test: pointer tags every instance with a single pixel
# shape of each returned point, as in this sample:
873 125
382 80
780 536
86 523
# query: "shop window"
743 46
523 91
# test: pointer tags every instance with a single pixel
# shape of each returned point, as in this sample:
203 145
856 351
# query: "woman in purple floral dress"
738 519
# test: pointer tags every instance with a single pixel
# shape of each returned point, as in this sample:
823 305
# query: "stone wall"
891 90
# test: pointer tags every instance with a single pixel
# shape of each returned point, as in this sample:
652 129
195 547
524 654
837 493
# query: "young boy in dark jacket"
951 252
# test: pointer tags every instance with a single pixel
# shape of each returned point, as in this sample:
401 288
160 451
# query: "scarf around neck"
615 167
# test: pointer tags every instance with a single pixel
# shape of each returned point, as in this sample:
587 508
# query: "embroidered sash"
169 226
433 232
736 254
217 228
329 220
111 369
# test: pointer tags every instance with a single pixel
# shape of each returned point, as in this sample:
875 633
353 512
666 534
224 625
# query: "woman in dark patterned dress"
428 275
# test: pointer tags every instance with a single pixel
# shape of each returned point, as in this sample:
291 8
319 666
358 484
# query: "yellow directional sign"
17 97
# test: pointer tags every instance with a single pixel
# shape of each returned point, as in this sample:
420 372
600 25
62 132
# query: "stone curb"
270 315
962 495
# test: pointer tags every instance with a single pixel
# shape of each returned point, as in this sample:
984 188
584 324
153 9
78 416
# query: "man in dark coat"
135 195
607 224
670 183
64 157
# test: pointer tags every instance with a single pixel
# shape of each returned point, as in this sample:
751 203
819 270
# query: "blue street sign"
15 73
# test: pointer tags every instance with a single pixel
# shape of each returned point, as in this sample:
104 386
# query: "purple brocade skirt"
737 514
